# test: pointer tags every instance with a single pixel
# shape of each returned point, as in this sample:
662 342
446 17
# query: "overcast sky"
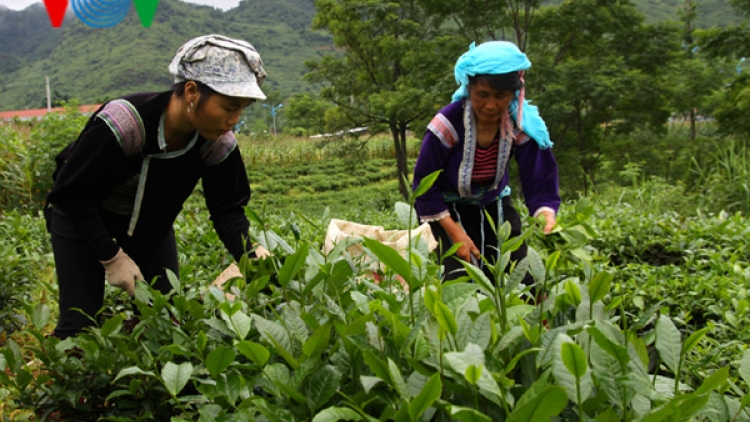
222 4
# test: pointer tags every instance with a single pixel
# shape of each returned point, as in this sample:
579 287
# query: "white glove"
121 271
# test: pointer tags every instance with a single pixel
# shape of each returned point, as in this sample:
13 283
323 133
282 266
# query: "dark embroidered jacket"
445 147
116 179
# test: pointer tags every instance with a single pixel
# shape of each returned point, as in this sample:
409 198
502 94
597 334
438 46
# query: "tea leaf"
599 286
478 332
397 380
445 318
573 293
110 327
609 415
431 392
551 261
219 359
406 214
174 281
465 414
290 391
293 264
617 351
238 322
688 407
518 274
536 265
133 370
744 369
318 341
693 340
368 383
285 353
745 401
668 342
230 385
377 366
335 414
322 385
175 377
563 376
574 359
41 316
473 373
273 331
391 258
549 402
254 351
714 381
480 278
426 183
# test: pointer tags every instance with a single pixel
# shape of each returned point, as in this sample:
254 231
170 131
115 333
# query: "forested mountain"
94 64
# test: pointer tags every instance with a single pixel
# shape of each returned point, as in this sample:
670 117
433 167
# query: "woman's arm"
433 156
227 192
539 180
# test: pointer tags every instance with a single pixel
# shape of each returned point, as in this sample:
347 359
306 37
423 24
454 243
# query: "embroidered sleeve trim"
521 138
538 212
214 152
444 130
126 124
467 160
436 217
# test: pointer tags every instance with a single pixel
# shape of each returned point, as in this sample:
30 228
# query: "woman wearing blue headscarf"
472 140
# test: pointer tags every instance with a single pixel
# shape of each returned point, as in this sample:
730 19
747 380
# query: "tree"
598 71
694 79
388 72
731 43
307 112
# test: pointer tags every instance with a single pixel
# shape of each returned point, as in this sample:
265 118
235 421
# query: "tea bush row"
307 336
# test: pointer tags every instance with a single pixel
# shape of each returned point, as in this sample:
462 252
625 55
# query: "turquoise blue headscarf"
495 58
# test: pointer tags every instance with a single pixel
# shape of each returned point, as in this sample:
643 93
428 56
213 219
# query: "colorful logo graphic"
101 13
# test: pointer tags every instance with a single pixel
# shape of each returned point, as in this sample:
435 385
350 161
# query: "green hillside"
96 64
710 12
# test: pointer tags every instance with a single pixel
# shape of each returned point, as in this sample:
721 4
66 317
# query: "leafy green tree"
734 107
307 112
599 71
388 72
731 44
509 20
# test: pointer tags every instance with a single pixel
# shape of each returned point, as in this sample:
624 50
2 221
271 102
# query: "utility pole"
49 100
273 114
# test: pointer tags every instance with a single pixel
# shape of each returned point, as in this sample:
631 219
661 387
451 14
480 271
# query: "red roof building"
38 113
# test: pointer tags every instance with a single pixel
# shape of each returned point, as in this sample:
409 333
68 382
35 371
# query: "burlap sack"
339 230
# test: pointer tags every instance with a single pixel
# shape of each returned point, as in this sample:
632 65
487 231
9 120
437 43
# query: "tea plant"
309 336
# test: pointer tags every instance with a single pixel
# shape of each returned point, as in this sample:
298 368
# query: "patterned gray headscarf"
229 66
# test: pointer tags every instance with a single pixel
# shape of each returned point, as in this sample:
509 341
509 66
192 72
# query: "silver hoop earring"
190 108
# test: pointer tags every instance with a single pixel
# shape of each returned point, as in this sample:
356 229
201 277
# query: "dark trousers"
80 275
476 224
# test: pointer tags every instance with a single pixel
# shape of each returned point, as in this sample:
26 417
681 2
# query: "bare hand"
467 248
550 221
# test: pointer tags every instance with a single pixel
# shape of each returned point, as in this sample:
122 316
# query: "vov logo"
101 13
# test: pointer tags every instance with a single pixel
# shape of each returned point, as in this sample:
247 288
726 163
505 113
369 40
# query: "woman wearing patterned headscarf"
472 140
120 186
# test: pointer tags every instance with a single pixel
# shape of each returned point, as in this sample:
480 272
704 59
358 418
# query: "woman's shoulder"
453 111
147 102
447 124
130 116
